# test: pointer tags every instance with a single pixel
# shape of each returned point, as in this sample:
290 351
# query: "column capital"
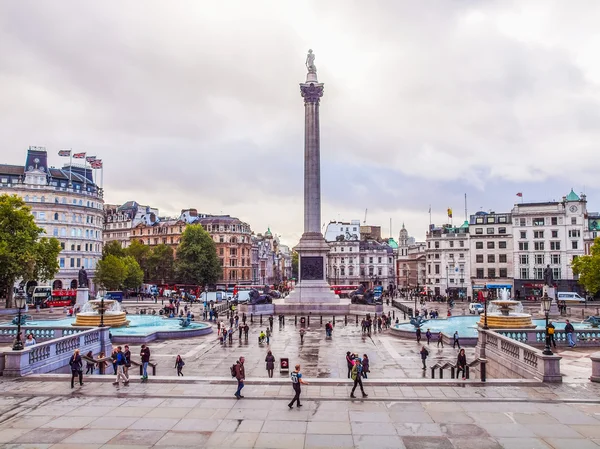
311 92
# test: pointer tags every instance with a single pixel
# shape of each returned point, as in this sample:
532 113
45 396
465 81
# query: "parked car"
569 296
476 308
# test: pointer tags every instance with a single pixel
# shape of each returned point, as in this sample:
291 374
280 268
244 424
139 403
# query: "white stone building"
411 264
491 249
67 204
448 261
550 233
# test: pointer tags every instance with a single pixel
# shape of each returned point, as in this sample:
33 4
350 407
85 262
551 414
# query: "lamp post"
101 312
417 294
546 303
20 303
486 294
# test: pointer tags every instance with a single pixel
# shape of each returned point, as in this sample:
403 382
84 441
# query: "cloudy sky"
196 104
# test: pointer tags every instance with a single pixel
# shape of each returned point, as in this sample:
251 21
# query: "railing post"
441 372
467 371
308 320
452 372
482 363
433 372
261 319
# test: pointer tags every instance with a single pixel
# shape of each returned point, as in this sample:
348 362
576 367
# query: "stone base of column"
83 295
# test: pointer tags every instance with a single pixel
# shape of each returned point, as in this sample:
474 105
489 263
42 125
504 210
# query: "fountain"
93 309
506 313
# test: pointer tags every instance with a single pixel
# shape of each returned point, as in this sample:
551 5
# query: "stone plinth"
83 295
595 377
551 291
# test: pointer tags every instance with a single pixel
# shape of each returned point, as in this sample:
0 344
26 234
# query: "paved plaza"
405 409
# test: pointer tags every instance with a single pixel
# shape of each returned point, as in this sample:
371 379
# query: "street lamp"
486 293
546 303
20 303
417 294
101 312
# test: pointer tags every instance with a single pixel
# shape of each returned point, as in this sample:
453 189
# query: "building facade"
411 264
548 234
68 205
119 220
491 249
448 261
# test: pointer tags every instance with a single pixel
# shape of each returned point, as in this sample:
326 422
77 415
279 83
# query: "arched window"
43 199
56 215
34 199
232 240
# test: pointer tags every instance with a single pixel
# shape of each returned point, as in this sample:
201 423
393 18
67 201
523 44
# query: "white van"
569 296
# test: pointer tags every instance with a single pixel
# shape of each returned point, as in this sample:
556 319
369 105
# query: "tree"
197 262
134 276
113 248
588 269
141 253
111 272
160 264
23 253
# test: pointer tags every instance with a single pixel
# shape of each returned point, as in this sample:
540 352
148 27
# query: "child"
179 363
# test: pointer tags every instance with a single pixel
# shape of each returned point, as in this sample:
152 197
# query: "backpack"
233 373
354 372
550 330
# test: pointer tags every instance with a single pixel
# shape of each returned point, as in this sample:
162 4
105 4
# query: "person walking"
418 332
440 340
365 365
120 370
428 336
270 360
179 363
550 334
328 329
456 342
89 366
350 363
76 368
461 364
113 357
297 380
424 353
569 330
240 331
127 355
271 322
145 355
302 332
269 330
230 335
357 378
246 330
240 375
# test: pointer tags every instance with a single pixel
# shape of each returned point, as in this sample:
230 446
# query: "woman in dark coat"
270 359
461 364
76 368
365 365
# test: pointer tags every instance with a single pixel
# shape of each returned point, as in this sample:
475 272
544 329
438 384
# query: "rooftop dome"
392 243
572 196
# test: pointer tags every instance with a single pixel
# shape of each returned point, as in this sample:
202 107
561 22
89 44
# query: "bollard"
251 318
296 320
483 373
452 372
394 314
261 319
357 320
467 372
333 321
308 321
404 315
432 372
345 320
321 319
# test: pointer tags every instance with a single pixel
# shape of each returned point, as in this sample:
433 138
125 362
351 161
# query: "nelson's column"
312 288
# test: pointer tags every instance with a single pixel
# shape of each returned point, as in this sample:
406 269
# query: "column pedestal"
83 295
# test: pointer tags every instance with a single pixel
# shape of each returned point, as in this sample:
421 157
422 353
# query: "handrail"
453 368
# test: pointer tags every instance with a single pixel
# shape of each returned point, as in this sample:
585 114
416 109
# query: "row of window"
449 269
227 228
491 273
538 273
90 247
501 230
491 258
436 244
573 233
63 200
491 245
539 259
491 219
451 256
540 221
540 246
77 262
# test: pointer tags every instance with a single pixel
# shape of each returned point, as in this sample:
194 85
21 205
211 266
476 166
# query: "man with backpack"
550 334
239 373
120 358
145 355
357 377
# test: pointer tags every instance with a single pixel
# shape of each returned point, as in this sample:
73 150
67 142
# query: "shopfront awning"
499 286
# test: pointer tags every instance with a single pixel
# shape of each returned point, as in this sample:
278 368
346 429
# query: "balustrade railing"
537 337
9 333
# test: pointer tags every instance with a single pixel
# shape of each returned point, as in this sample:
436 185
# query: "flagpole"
70 164
430 217
466 216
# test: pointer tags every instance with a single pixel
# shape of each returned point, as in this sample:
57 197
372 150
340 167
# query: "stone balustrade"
511 359
9 333
53 354
537 337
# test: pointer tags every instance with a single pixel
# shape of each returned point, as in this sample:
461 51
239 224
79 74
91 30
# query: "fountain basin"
90 314
512 321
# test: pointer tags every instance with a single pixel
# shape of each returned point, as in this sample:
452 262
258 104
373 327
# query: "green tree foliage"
23 253
134 276
141 253
160 264
588 269
197 262
110 272
113 248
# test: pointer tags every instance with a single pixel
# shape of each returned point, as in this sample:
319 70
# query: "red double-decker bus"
61 298
343 290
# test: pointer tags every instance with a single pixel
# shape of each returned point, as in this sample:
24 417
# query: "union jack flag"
90 158
64 152
96 164
78 155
